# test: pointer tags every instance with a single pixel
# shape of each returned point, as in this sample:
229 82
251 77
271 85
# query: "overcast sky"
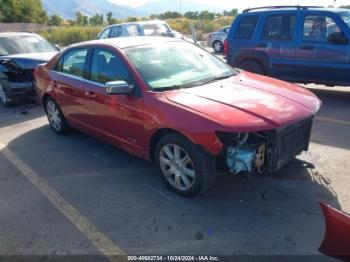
230 4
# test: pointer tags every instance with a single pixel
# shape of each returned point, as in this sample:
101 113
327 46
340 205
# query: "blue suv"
305 44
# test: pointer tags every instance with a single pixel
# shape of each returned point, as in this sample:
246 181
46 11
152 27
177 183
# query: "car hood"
27 61
248 102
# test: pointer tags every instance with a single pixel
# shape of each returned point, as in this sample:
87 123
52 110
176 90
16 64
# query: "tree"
345 6
233 12
22 11
111 20
85 20
54 20
170 15
96 20
206 15
132 19
79 18
192 15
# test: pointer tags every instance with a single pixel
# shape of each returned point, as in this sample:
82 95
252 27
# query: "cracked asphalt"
123 199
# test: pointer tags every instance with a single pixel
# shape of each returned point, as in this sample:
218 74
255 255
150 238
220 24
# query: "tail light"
226 47
210 35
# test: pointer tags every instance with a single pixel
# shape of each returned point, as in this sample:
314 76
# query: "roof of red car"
125 42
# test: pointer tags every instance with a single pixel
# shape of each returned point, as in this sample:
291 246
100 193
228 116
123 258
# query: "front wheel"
4 98
56 119
186 168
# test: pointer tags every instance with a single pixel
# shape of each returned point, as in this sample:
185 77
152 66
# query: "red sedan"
173 103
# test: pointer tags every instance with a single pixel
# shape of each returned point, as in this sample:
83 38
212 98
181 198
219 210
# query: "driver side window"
107 67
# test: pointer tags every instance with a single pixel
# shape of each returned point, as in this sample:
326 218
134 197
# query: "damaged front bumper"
21 88
266 150
20 91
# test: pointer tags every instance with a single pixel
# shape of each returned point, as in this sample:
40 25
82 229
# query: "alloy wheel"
218 46
177 167
53 114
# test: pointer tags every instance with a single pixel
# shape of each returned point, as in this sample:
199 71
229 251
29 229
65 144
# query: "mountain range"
68 8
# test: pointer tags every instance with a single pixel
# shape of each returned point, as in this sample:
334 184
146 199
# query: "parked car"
216 40
173 103
144 28
296 43
20 53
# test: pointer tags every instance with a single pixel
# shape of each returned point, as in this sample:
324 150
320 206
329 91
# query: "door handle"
262 45
307 47
54 83
90 95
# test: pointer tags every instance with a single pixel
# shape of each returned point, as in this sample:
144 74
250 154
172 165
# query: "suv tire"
218 46
252 66
185 167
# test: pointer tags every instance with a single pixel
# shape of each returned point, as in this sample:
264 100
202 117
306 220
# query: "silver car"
216 39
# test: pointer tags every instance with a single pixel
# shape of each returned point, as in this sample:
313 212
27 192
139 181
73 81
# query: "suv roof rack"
281 6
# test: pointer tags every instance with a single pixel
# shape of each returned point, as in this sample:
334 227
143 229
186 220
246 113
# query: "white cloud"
230 4
133 3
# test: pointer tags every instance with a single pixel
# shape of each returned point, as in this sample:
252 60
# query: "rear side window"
74 62
155 29
246 27
279 27
133 30
318 28
116 31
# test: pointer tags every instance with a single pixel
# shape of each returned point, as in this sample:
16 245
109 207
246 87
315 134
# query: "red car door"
117 118
67 79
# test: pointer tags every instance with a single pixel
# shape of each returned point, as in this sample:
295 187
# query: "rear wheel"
56 119
218 46
252 66
186 168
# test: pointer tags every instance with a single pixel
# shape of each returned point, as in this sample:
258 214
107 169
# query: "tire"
56 118
4 97
199 165
252 66
218 46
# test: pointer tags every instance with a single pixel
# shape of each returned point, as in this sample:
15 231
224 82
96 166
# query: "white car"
144 28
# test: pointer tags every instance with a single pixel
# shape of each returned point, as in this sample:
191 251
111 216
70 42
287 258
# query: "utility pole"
180 6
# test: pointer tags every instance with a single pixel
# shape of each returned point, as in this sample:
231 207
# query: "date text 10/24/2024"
173 258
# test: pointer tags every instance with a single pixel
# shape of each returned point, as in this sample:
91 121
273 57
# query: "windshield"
12 45
346 17
175 65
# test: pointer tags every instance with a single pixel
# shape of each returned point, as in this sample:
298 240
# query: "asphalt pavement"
75 195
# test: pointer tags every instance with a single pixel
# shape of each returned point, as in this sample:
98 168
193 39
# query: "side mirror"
57 47
118 88
338 38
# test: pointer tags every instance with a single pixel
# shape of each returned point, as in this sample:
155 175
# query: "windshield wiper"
166 88
213 79
194 84
173 87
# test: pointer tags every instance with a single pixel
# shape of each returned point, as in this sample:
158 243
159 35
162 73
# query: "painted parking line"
98 239
332 120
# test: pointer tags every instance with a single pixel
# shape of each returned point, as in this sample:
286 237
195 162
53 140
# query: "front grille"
288 142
